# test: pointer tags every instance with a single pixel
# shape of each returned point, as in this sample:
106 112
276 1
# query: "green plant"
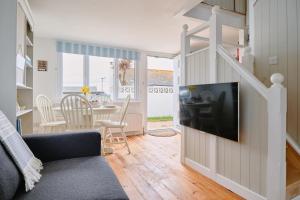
160 119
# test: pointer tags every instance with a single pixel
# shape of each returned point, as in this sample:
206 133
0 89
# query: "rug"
162 133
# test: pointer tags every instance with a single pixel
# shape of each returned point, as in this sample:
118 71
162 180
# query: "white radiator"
135 124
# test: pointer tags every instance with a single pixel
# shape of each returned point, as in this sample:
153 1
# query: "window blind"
96 50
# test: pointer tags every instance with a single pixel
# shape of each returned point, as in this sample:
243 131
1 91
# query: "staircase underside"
203 11
293 173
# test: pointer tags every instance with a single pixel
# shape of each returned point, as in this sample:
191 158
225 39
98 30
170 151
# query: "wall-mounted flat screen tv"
211 108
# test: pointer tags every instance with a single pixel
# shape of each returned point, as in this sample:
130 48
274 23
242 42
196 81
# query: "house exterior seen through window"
101 74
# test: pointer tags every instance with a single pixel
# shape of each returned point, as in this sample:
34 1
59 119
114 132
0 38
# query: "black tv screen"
211 108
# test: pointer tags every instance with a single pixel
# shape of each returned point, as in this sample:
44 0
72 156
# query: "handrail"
198 29
198 51
259 86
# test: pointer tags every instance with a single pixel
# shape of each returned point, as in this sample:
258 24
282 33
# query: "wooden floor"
292 172
153 171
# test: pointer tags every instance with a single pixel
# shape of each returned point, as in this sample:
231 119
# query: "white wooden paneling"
245 162
241 6
197 72
225 4
277 33
232 5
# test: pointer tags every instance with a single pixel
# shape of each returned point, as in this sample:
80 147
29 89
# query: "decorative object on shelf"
19 126
85 90
42 65
124 64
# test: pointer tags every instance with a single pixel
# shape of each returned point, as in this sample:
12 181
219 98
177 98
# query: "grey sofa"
72 170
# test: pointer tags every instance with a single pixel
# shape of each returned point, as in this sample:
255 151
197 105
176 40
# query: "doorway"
160 93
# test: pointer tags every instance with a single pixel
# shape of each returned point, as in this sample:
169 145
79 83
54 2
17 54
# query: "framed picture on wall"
42 65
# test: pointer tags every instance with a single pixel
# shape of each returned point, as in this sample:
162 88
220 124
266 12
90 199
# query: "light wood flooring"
153 171
292 172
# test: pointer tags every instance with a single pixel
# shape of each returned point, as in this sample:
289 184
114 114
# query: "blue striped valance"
95 50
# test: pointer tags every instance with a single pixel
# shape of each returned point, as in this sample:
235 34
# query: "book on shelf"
19 126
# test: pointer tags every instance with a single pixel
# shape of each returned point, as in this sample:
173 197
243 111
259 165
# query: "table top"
113 108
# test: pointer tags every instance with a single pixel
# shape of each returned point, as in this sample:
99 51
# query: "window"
101 74
73 70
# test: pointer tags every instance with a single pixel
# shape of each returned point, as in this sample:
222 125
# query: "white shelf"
29 42
23 112
23 87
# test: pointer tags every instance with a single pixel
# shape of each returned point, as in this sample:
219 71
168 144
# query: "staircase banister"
249 77
198 29
276 160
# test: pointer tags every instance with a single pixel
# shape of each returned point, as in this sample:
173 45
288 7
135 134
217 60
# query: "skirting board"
293 143
225 182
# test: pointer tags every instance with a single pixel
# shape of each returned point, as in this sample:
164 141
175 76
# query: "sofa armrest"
50 147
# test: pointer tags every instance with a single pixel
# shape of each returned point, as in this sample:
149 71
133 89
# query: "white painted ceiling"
148 25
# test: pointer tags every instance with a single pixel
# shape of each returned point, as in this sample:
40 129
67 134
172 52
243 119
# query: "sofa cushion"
78 178
10 177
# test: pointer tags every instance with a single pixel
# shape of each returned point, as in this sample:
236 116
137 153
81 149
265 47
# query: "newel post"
185 49
215 38
276 163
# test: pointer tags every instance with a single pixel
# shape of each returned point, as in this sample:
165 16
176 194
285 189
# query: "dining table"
103 109
98 111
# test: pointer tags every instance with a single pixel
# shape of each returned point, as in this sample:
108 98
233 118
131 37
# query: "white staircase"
233 16
272 103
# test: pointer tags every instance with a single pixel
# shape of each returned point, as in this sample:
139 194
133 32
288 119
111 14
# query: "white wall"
8 14
46 82
277 35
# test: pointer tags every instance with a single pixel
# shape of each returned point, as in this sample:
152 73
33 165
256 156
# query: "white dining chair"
77 112
116 138
49 122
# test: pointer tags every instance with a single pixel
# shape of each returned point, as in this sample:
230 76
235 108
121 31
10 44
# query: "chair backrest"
44 106
124 108
77 112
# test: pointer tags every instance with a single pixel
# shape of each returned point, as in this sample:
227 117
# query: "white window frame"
86 77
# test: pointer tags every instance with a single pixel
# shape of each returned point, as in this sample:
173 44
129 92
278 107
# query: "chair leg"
125 139
104 141
109 134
